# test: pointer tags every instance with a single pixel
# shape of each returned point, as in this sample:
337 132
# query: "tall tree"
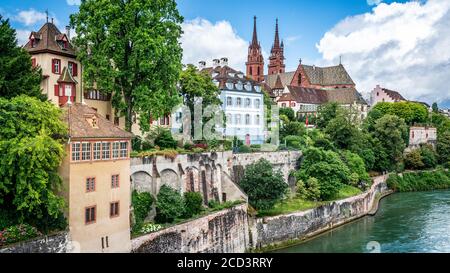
195 84
130 48
326 113
17 76
435 107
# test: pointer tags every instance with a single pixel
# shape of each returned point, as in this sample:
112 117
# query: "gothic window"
251 71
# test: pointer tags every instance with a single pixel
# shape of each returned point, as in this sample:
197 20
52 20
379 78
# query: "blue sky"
399 44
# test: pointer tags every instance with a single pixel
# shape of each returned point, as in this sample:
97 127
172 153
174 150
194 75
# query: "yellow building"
96 175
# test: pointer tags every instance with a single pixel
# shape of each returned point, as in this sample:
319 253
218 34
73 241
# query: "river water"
405 223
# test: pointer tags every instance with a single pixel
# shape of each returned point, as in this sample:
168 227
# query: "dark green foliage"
326 113
341 130
429 156
245 149
136 143
413 160
264 186
358 171
288 112
293 128
142 203
420 181
31 144
169 205
443 147
193 204
17 233
294 141
435 107
7 218
161 137
17 76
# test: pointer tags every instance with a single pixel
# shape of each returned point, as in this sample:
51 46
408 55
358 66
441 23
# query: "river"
405 223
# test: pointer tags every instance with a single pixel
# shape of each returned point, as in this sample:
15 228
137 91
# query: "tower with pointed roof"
255 60
276 59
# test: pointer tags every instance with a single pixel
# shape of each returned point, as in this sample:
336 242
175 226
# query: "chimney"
314 67
52 20
201 65
68 32
216 63
224 61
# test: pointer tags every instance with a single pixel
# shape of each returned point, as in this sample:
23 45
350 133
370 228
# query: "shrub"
7 218
245 149
169 205
142 204
429 156
419 181
136 143
227 145
213 144
18 233
413 160
309 190
188 146
357 169
193 204
292 128
146 145
264 186
161 137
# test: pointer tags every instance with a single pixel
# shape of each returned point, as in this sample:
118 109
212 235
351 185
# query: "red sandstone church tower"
255 60
276 59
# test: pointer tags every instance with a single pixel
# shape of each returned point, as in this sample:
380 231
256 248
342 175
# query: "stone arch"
192 180
142 182
170 178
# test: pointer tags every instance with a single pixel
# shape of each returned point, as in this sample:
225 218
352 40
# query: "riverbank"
269 233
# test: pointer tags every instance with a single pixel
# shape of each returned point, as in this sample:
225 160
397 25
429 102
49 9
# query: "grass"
295 203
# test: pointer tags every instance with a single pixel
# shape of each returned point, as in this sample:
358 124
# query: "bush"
245 149
357 169
288 112
7 218
193 204
142 204
419 181
413 160
136 143
292 128
309 190
161 137
17 233
293 142
146 145
264 186
429 156
227 145
169 205
188 146
213 144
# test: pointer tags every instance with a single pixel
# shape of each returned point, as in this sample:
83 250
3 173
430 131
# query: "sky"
402 45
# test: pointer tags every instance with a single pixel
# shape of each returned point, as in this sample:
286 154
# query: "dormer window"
239 86
229 85
248 87
258 88
240 75
215 74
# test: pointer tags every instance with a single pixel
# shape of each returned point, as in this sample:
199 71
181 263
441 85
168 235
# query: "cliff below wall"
225 231
301 225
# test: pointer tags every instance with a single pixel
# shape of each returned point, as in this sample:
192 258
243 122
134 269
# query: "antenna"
46 12
340 59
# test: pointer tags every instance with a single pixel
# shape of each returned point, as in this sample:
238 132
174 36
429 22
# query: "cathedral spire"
276 43
255 34
276 59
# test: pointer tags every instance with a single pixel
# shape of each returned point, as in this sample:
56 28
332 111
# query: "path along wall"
225 231
301 225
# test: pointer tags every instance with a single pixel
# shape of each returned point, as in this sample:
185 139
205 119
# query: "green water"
405 223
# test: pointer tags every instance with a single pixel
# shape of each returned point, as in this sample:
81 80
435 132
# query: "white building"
380 94
422 135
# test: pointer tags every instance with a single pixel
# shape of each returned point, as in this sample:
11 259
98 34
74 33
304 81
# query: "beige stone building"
96 179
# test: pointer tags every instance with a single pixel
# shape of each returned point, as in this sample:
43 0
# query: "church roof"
319 96
308 95
325 76
49 38
278 83
77 116
345 96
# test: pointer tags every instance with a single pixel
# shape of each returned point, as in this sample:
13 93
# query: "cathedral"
305 88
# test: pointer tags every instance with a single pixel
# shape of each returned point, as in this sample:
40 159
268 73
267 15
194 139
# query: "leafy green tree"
429 156
293 128
142 204
357 168
17 76
288 112
161 137
341 130
264 186
169 205
326 113
435 107
411 112
131 49
309 190
195 84
193 204
31 144
443 147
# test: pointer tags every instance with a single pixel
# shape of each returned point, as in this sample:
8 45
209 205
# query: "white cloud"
374 2
73 2
22 36
30 17
203 40
400 46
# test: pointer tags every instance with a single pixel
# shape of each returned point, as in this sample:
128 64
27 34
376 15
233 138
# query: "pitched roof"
49 38
319 96
77 116
394 94
345 96
308 95
66 77
286 78
226 74
278 84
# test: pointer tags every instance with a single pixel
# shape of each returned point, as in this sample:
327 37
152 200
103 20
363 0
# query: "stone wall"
56 243
225 231
301 225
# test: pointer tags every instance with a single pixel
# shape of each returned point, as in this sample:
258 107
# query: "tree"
413 160
31 144
341 130
288 112
411 112
17 75
131 50
193 204
392 135
195 84
429 156
161 137
169 205
142 203
435 107
326 113
443 148
264 186
357 168
293 128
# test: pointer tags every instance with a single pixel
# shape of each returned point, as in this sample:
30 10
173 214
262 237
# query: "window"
116 148
238 102
97 150
293 104
229 85
85 151
257 119
114 209
164 120
258 88
73 69
115 181
106 154
299 80
238 119
56 66
248 102
90 215
247 119
283 105
229 119
229 101
68 90
251 71
123 149
239 86
257 103
76 151
90 184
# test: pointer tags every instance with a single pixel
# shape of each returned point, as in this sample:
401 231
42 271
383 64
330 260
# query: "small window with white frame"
97 151
85 151
123 149
106 150
115 150
76 150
